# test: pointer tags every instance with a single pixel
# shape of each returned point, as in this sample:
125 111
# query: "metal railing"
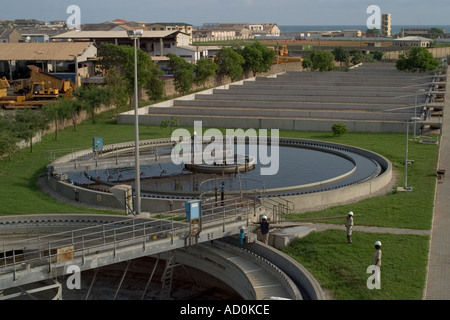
78 243
279 206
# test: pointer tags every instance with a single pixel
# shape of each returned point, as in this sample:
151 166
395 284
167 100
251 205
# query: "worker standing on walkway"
264 228
349 226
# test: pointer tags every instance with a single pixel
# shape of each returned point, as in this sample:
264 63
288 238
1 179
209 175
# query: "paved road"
438 280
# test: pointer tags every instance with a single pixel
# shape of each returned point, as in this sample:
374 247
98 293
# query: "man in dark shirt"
264 228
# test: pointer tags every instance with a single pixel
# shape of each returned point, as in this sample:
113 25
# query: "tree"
173 122
378 55
8 144
436 33
356 56
257 57
322 60
230 63
339 129
92 97
204 69
155 87
341 55
118 92
8 141
307 62
183 73
118 61
417 59
374 31
27 123
57 112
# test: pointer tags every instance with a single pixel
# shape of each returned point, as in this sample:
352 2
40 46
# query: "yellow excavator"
4 85
42 85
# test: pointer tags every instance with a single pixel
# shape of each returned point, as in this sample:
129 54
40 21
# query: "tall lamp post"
405 185
418 93
135 35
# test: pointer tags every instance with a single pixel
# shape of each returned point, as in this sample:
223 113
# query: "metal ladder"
167 278
195 229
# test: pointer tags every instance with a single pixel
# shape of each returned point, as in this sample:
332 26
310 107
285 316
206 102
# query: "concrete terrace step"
336 83
368 79
301 98
284 105
280 113
322 90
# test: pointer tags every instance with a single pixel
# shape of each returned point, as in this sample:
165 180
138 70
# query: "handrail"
43 250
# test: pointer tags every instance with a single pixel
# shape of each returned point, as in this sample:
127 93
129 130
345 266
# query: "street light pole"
135 34
405 185
405 179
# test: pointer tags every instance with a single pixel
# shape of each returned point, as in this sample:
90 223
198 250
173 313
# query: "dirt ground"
343 43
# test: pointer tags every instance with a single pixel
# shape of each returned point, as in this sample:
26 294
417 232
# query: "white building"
155 43
408 42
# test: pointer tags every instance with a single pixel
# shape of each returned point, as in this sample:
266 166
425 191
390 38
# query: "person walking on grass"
376 260
349 226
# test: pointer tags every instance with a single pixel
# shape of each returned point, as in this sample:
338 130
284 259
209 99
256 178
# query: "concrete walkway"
323 226
438 280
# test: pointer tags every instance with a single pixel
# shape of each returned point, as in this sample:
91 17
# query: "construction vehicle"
42 85
40 89
283 51
34 90
4 85
283 55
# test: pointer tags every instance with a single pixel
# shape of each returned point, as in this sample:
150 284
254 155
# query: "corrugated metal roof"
42 51
413 38
110 34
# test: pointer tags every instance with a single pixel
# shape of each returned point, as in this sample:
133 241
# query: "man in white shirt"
349 226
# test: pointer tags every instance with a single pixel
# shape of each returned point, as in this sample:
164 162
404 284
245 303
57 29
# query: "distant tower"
386 25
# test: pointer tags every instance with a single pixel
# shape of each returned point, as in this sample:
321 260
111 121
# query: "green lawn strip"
397 209
341 269
20 193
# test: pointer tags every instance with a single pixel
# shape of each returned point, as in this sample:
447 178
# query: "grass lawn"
398 209
340 268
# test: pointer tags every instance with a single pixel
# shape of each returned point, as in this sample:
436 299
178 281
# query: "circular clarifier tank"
291 167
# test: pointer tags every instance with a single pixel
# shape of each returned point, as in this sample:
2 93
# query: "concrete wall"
282 124
438 53
169 86
107 200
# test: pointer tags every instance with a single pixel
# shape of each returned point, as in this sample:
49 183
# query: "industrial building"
409 42
154 43
52 57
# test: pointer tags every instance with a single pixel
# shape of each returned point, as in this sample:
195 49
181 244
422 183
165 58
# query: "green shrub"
339 129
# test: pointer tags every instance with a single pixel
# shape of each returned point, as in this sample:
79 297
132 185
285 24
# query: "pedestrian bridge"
34 248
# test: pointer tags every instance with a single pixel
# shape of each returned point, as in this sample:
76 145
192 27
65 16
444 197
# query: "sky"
197 12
